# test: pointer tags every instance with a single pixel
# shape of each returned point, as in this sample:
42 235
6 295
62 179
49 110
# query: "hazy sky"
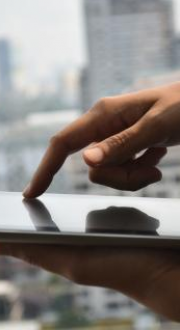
47 33
177 13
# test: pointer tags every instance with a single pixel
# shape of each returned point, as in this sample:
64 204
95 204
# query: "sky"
47 34
177 13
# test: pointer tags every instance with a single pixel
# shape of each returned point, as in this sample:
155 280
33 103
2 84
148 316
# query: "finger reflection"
117 220
40 215
122 220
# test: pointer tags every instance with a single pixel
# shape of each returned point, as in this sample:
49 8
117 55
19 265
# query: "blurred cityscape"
127 45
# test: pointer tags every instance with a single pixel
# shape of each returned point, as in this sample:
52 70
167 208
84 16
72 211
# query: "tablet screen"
90 214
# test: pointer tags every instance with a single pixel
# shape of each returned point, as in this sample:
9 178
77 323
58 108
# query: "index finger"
95 125
73 138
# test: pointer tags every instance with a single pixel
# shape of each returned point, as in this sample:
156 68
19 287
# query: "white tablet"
90 220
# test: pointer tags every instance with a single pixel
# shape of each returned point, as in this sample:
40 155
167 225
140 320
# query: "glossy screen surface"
90 214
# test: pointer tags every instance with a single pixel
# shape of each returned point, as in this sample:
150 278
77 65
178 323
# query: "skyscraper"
125 39
6 84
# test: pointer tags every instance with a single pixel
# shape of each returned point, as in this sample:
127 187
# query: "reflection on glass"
112 220
122 220
40 215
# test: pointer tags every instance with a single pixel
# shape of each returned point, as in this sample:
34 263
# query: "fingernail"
27 190
95 155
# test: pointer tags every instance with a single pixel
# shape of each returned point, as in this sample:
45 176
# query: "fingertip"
30 195
37 186
28 192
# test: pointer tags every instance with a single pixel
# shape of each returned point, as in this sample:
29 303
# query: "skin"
149 276
119 128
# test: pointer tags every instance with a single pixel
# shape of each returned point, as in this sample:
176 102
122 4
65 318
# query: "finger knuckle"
54 141
118 140
157 121
103 105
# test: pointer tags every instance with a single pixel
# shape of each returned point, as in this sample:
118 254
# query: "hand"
120 127
150 277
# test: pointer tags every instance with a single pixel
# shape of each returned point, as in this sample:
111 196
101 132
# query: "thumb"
121 146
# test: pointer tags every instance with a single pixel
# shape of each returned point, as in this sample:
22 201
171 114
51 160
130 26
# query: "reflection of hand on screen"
40 215
121 220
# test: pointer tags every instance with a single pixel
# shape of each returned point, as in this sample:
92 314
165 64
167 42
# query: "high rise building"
176 49
125 39
6 84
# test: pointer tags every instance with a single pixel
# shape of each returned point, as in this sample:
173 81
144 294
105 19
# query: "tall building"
125 39
6 84
177 52
106 304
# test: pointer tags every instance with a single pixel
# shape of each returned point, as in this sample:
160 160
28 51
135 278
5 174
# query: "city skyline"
22 23
116 31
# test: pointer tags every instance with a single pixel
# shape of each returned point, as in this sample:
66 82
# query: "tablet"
85 220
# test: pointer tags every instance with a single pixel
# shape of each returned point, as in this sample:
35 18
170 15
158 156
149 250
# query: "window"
113 305
56 59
